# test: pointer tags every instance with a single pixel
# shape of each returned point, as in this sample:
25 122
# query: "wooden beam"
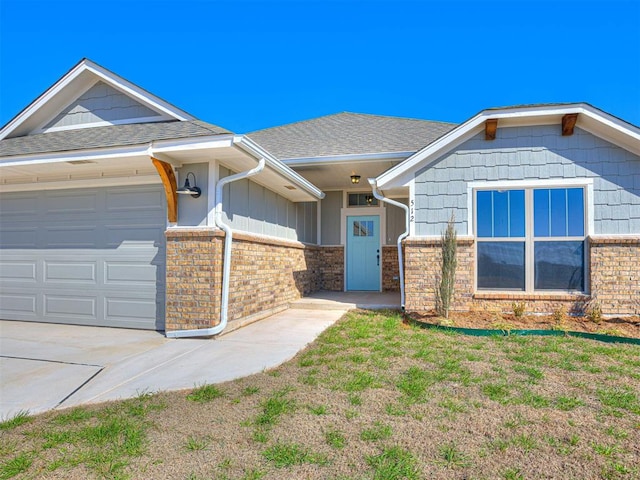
568 122
490 128
170 187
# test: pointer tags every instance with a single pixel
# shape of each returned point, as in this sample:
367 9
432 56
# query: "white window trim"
529 186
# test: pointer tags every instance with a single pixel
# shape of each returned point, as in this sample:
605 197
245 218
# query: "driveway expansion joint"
52 361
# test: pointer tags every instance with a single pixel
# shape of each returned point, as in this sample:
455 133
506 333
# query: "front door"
363 253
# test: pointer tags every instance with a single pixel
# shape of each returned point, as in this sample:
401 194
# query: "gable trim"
591 119
110 78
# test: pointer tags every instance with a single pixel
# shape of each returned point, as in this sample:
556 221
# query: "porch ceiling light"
355 179
188 189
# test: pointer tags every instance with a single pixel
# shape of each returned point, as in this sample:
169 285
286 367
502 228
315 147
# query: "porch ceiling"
337 175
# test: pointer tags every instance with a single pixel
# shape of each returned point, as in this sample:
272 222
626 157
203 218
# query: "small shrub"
594 312
558 315
519 308
449 262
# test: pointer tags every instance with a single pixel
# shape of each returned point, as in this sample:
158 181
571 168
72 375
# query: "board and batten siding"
252 208
531 153
101 103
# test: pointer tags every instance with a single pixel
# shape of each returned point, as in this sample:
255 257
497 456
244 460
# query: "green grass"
194 444
15 466
451 456
205 393
283 455
335 439
394 463
15 421
377 432
414 383
623 398
274 407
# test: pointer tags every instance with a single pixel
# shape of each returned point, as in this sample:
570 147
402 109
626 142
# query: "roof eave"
400 174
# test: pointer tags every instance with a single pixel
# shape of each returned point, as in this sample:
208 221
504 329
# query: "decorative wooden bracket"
170 186
568 122
490 128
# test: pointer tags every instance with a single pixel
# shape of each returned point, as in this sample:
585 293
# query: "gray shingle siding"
101 103
531 153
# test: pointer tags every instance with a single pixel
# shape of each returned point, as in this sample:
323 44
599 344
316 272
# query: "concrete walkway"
46 366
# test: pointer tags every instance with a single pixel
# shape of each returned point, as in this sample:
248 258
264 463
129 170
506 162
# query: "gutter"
402 236
226 259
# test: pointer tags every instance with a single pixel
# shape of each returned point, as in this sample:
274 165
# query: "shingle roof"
349 133
107 136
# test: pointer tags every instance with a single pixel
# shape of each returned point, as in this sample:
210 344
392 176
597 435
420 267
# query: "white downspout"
226 259
402 236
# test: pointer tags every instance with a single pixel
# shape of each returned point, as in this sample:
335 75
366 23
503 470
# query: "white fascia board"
111 78
121 152
193 143
338 159
400 174
248 145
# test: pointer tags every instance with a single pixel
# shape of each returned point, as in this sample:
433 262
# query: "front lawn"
371 399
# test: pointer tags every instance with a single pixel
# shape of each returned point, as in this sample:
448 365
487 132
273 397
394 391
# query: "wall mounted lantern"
355 179
188 189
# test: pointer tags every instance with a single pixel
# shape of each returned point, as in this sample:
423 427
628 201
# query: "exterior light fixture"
369 199
188 189
355 179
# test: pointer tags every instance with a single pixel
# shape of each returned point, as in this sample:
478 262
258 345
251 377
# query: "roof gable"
349 134
589 118
90 95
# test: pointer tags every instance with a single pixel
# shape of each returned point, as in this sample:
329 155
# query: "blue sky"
247 65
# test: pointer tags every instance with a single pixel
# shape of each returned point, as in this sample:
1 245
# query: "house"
120 209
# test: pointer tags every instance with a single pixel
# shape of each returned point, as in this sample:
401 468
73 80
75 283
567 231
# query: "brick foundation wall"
422 266
331 261
615 274
390 270
266 273
194 271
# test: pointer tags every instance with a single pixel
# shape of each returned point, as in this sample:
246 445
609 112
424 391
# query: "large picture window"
530 239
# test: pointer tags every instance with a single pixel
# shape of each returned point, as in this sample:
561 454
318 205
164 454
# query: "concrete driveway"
47 366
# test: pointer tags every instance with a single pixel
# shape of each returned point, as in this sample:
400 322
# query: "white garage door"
84 256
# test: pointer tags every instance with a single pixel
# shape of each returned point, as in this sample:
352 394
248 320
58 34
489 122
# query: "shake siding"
530 153
98 104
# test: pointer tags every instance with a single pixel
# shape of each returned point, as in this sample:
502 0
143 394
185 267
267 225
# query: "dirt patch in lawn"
618 326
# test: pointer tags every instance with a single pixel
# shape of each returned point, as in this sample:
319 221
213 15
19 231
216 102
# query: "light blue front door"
363 253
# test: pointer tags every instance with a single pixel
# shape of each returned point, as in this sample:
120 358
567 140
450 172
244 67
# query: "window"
362 200
530 239
363 229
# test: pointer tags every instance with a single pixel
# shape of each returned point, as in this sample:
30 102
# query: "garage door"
84 256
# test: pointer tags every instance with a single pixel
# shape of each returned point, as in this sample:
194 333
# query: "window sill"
551 296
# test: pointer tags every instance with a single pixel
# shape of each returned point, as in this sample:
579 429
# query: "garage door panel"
23 304
140 236
70 272
18 271
64 204
18 237
130 273
84 257
70 305
65 236
135 201
20 205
